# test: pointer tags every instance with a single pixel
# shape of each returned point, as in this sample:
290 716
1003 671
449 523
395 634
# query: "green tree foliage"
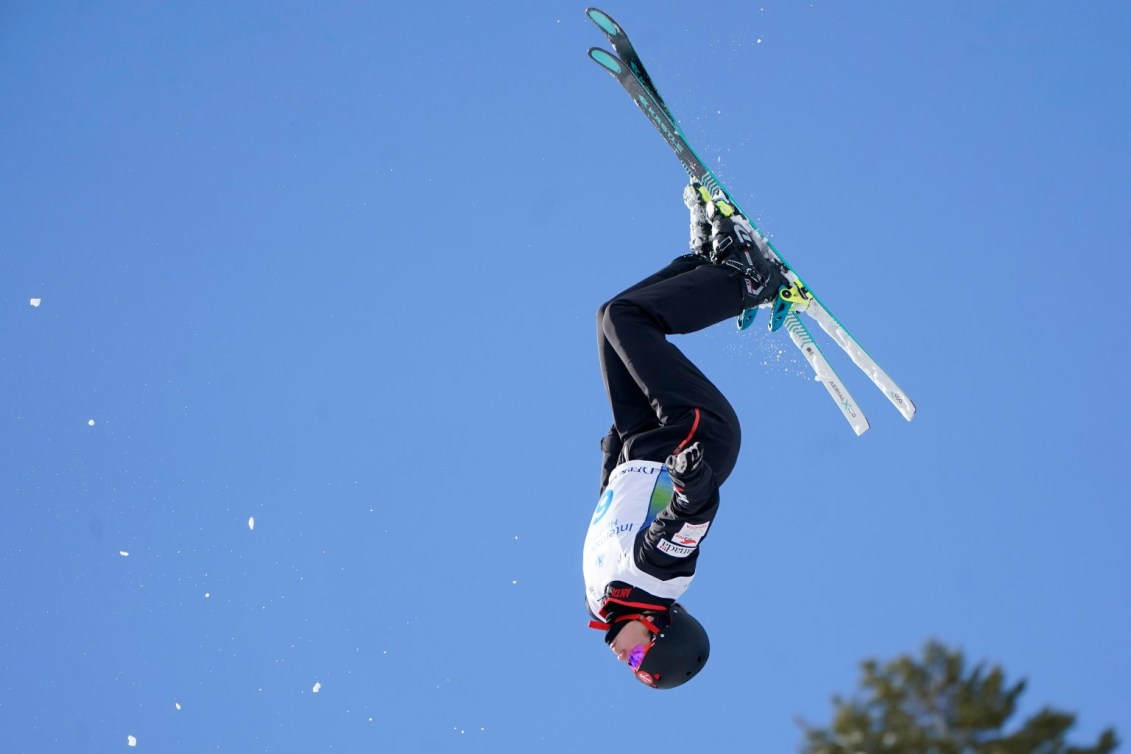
934 705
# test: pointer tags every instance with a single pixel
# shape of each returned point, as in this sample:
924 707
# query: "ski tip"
607 60
603 20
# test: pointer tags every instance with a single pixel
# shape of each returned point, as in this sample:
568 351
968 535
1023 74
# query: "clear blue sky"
334 267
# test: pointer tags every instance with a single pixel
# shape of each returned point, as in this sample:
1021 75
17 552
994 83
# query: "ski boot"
735 244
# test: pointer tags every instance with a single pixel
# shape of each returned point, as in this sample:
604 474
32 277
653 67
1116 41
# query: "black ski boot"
735 244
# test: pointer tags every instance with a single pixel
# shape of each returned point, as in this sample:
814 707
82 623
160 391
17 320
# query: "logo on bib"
602 506
690 534
674 550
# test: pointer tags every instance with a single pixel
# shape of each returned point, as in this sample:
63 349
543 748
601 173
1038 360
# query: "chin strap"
634 610
642 617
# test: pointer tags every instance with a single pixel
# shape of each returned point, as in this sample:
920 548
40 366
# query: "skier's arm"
610 450
670 546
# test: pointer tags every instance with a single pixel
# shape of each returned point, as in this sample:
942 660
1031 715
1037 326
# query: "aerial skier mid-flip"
675 437
673 442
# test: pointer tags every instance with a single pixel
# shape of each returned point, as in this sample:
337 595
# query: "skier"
673 442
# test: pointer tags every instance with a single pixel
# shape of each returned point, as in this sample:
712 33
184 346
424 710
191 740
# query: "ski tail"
801 338
862 359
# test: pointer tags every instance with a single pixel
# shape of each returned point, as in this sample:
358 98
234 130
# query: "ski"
798 297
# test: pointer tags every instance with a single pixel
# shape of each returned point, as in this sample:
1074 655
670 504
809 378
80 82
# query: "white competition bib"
637 491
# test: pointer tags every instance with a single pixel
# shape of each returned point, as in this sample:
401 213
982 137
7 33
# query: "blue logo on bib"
602 506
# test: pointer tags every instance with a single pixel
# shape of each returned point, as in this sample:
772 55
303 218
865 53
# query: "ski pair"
628 69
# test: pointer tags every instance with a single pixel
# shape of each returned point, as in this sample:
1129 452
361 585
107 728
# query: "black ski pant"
661 402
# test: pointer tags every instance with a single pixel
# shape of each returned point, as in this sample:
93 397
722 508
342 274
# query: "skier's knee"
614 312
601 314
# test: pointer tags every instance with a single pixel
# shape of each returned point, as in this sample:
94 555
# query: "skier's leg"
684 406
632 411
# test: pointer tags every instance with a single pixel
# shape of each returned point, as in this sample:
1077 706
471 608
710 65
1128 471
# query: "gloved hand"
683 464
695 197
731 232
695 485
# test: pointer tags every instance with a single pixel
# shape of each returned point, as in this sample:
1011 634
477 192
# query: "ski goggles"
636 656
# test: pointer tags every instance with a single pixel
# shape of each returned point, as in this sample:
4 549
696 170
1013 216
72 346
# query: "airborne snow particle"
251 523
131 740
123 553
35 301
317 687
207 595
90 422
177 705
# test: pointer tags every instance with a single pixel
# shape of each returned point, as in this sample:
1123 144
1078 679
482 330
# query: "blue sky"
334 266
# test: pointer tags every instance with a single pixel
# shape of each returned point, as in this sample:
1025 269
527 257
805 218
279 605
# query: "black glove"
695 485
684 464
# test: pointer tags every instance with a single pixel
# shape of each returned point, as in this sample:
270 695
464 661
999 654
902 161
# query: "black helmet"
678 652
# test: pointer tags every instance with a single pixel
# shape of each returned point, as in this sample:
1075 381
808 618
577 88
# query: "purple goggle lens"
636 656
